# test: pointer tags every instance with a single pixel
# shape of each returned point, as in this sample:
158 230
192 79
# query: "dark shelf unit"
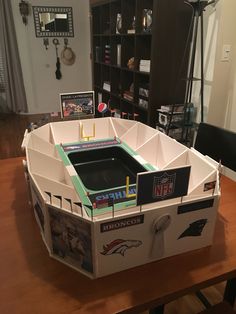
165 47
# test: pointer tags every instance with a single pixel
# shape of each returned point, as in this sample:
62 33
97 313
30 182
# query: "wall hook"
66 42
46 43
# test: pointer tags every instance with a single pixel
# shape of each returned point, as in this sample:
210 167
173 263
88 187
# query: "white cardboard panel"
37 196
199 169
138 135
51 168
57 188
66 132
122 126
138 239
68 180
144 134
198 191
168 150
24 143
44 132
103 128
149 150
112 130
179 161
130 137
37 143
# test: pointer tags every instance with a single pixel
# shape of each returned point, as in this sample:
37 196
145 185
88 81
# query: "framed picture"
77 104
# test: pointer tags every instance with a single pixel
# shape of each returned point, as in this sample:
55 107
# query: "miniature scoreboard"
110 194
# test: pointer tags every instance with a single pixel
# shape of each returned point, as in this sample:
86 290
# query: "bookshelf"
136 68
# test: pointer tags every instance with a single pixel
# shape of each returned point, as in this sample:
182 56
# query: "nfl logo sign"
163 186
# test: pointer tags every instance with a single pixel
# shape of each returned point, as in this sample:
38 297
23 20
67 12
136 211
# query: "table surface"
32 282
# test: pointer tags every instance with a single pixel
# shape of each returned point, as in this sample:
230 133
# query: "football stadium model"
110 194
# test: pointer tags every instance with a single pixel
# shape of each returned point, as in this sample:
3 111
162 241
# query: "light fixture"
24 10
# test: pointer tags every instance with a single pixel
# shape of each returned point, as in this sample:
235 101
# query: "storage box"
111 194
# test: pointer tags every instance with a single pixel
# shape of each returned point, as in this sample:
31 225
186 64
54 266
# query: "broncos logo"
119 246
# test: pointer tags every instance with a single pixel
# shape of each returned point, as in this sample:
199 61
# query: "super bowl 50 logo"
163 186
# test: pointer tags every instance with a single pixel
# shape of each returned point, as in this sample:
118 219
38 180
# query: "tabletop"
32 282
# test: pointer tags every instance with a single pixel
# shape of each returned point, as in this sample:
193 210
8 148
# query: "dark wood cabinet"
122 50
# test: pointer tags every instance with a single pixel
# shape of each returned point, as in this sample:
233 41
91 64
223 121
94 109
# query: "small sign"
90 145
77 104
118 195
157 186
122 223
209 186
186 208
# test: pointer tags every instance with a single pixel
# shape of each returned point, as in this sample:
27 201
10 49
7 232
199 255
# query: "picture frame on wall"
77 104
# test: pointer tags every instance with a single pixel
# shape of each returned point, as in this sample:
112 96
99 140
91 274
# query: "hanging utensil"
58 64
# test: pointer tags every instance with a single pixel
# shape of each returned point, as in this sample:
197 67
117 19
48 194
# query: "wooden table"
32 282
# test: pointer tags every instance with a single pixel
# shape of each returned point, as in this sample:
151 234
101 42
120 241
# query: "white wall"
222 102
220 76
222 105
39 64
212 17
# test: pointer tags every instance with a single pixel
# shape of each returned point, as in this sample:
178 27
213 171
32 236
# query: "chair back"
217 143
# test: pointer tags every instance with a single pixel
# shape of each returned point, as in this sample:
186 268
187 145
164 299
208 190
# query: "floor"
12 128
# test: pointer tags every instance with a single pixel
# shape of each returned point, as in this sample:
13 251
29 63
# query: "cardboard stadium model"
111 194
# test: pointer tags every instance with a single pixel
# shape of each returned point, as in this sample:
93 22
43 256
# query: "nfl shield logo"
163 186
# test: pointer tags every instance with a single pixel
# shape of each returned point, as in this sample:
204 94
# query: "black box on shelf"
98 56
175 108
164 118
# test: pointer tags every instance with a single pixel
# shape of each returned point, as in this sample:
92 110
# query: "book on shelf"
99 98
128 95
119 54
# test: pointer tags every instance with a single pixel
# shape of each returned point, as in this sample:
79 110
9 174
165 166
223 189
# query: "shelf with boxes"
120 42
129 63
176 121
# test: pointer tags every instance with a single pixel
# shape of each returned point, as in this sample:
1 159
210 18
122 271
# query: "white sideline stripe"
140 159
71 170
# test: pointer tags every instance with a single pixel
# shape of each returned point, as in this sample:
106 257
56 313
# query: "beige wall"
222 105
39 64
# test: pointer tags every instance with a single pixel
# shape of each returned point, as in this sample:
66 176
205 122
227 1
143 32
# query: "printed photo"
77 104
71 239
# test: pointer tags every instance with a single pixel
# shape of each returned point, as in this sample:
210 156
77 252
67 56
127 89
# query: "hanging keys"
58 64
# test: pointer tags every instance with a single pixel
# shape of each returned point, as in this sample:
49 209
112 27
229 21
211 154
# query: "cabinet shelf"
123 34
164 45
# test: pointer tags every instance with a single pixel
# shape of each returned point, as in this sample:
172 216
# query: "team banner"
162 185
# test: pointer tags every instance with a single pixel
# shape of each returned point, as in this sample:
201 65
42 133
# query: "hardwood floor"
12 128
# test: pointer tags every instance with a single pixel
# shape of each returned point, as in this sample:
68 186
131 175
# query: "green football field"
101 168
